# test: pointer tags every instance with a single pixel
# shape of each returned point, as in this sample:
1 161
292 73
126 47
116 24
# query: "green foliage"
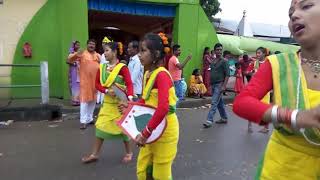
210 7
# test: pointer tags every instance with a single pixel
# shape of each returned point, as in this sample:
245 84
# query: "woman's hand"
309 118
140 140
111 93
80 52
123 106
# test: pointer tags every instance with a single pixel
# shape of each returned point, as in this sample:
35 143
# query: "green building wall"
59 22
50 33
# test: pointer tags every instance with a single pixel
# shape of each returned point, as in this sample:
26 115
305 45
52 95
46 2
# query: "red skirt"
238 86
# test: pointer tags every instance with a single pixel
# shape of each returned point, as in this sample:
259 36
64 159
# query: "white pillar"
44 82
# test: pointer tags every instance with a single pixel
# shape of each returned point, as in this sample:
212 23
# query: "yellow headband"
106 40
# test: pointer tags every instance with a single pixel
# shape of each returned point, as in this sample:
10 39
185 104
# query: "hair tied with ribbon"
106 40
120 48
165 42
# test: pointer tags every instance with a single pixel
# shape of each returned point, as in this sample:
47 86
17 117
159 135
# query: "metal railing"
44 79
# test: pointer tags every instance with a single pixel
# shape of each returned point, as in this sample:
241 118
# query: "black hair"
175 47
245 56
154 44
237 65
76 42
135 44
277 52
205 50
225 53
217 46
195 71
92 40
114 46
263 50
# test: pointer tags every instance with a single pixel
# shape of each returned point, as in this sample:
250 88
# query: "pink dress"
207 60
89 65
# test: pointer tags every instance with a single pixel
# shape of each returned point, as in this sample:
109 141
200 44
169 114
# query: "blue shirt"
232 67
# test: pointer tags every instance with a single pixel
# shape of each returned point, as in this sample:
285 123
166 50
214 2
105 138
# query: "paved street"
52 151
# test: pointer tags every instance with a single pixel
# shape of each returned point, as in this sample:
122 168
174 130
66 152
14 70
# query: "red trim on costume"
124 72
163 83
99 87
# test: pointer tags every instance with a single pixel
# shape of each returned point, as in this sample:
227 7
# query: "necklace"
149 74
314 65
302 130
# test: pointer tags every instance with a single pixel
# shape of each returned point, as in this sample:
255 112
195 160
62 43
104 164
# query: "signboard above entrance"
124 7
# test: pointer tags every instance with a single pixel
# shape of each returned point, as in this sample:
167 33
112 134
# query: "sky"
261 11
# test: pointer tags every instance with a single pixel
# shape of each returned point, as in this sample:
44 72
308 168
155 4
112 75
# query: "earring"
153 62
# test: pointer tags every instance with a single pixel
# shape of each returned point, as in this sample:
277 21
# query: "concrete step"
32 110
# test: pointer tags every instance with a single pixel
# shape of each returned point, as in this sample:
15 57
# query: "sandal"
127 158
264 130
89 159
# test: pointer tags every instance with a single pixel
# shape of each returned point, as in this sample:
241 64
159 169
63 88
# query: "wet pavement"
52 151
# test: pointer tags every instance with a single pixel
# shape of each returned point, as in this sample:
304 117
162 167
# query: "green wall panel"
73 17
59 22
50 33
193 31
42 33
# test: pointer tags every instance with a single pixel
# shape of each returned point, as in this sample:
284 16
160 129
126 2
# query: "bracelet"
146 132
294 115
130 98
284 116
274 116
106 91
288 117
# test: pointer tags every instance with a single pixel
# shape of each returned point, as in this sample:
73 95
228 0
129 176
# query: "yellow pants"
282 162
159 155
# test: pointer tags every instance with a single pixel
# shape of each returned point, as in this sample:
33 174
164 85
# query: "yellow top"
314 97
298 142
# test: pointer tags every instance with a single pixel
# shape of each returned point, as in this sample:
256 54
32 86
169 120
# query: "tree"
210 7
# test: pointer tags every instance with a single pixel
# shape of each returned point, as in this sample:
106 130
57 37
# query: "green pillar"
73 25
193 31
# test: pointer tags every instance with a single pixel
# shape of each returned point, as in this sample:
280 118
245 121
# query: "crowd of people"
218 67
280 88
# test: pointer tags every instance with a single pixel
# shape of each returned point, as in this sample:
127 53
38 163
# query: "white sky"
261 11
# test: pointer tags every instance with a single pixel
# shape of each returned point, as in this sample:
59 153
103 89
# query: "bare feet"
264 130
127 158
89 159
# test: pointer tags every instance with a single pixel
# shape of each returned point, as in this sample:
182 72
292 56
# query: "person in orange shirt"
89 64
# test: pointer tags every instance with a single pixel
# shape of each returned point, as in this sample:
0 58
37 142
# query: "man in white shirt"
103 60
135 67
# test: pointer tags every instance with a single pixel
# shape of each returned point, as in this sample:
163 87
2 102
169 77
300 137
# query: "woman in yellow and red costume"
114 73
293 151
155 159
